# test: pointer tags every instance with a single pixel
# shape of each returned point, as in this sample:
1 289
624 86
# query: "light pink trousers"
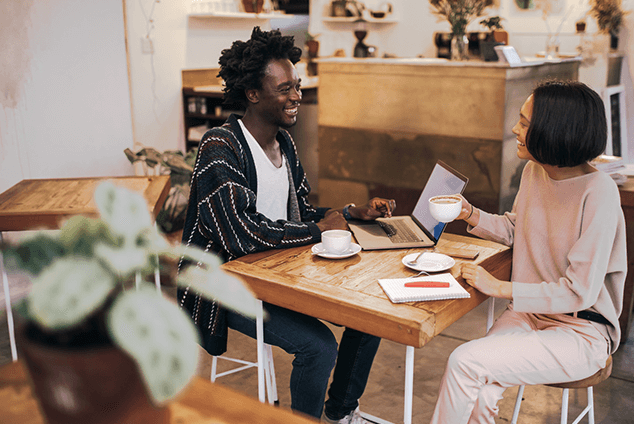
520 349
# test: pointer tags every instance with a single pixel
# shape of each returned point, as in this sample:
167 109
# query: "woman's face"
521 128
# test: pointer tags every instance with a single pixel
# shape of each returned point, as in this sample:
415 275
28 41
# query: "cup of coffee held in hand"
445 208
336 241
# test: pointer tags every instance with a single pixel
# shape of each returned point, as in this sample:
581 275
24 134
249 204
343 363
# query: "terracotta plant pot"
253 6
97 386
313 48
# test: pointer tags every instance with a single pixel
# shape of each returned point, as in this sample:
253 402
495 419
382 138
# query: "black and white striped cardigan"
222 216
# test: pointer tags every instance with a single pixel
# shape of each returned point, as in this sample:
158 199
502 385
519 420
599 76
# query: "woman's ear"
252 95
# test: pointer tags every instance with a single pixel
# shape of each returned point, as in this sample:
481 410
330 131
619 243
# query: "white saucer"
429 262
319 250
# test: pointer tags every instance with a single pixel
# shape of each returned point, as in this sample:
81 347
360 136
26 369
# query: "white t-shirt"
273 186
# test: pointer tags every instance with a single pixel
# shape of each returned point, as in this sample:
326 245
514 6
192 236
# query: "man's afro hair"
242 67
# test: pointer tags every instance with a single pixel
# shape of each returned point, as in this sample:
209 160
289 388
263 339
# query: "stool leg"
214 364
157 271
518 404
564 406
259 327
590 405
7 299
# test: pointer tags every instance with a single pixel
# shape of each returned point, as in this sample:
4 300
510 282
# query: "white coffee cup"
445 208
336 242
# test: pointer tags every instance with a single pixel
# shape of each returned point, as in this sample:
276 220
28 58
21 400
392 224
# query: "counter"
383 124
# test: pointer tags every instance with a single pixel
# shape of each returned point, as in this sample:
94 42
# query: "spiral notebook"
398 293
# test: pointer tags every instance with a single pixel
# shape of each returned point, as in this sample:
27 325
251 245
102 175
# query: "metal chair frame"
264 364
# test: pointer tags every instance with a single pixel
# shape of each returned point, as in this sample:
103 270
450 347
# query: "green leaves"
78 272
34 254
213 283
159 336
459 13
68 291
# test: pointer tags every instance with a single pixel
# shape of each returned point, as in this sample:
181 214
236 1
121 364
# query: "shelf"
239 15
353 19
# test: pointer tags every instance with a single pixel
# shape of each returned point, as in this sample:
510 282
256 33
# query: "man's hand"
478 277
333 220
375 208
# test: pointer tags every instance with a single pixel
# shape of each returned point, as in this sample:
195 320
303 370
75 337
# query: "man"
249 193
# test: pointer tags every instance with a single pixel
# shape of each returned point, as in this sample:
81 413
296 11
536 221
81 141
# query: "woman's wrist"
470 213
474 217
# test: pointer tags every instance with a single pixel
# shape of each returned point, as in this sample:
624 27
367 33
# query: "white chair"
586 383
265 365
7 299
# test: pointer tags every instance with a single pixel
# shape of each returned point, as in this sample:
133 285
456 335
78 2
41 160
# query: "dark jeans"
315 350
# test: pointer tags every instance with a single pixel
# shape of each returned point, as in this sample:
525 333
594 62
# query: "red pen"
427 284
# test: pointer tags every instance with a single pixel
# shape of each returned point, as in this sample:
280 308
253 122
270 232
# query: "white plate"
319 250
429 262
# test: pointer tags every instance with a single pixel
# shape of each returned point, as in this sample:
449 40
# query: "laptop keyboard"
398 232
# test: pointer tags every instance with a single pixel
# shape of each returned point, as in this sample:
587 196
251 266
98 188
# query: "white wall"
180 42
63 90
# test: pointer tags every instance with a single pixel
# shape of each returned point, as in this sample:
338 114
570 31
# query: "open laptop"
419 229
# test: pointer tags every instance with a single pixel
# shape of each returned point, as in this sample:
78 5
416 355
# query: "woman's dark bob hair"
243 66
568 125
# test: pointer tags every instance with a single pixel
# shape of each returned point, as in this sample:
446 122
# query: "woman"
569 262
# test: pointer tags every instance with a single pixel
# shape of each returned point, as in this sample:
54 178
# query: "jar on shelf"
191 105
202 105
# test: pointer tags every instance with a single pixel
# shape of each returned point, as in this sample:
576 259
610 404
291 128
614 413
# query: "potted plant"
312 45
98 349
179 167
609 16
459 13
496 36
253 6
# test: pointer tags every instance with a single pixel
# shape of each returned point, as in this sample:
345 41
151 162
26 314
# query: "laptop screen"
442 181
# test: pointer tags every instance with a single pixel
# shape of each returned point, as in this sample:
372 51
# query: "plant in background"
83 293
179 167
492 23
459 13
608 14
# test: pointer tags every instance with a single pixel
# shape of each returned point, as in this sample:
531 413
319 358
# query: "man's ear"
252 95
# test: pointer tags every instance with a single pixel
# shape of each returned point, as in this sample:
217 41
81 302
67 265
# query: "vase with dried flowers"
459 13
552 40
609 16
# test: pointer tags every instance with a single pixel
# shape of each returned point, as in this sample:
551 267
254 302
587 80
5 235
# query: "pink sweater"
569 251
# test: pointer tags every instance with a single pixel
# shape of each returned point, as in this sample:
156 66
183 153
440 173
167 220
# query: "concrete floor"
383 398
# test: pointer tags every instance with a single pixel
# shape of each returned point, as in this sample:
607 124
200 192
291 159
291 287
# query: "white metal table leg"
259 328
409 384
7 299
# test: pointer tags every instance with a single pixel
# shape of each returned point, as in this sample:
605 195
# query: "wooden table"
346 291
201 403
627 203
46 203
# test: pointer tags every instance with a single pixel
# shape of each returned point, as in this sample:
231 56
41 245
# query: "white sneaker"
352 418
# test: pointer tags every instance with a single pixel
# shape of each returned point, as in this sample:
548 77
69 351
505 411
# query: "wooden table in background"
346 291
46 203
627 203
201 403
